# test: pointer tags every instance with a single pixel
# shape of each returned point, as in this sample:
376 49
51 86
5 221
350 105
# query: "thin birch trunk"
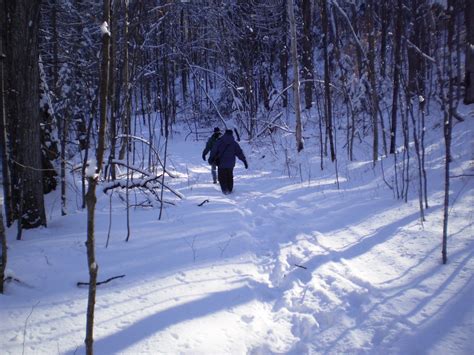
91 198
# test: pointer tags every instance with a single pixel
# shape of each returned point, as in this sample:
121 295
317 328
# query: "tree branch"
101 282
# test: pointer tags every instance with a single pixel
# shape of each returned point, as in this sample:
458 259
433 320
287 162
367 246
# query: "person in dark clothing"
223 154
210 143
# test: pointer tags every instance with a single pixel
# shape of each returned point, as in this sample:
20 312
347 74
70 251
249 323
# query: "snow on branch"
146 182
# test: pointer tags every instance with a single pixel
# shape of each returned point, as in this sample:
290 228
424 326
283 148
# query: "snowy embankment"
285 265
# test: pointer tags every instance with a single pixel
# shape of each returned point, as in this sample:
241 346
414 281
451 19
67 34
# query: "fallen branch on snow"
100 282
301 266
203 202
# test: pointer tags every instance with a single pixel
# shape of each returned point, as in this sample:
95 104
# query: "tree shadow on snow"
152 324
418 336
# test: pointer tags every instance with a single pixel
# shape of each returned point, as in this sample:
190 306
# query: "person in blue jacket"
223 154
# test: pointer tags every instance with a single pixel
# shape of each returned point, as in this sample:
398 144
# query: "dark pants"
226 179
214 172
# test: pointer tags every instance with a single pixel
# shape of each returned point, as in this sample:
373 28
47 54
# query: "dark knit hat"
217 130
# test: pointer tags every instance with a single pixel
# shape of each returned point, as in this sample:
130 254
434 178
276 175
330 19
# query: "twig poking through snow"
191 245
223 248
26 324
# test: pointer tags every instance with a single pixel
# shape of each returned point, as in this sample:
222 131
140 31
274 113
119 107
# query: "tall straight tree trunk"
383 34
396 76
126 120
283 58
91 198
4 144
374 94
113 89
54 24
64 134
296 80
3 238
128 101
327 79
469 75
307 54
20 32
448 123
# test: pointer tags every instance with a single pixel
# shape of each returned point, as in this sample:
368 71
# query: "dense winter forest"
95 91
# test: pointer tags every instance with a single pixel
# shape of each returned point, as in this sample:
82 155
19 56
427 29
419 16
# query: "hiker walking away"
210 143
223 155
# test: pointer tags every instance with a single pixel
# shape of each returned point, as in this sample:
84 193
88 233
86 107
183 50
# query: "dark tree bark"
3 264
283 59
448 122
373 85
4 144
327 79
114 88
396 76
469 76
384 34
416 61
307 53
296 80
22 110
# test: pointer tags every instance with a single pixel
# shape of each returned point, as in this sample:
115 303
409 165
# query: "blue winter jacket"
226 149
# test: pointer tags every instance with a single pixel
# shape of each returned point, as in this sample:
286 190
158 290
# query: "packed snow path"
279 266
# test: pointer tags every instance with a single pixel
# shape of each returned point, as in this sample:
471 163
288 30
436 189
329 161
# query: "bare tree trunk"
55 47
396 77
307 53
284 68
86 159
416 140
128 94
21 37
327 79
296 79
3 236
406 152
383 34
4 144
163 178
448 122
126 120
469 75
373 85
65 127
423 151
355 23
91 198
113 88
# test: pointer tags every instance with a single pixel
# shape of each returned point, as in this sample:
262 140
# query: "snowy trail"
279 266
334 285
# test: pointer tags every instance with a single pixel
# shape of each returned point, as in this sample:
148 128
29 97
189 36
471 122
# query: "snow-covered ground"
282 265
